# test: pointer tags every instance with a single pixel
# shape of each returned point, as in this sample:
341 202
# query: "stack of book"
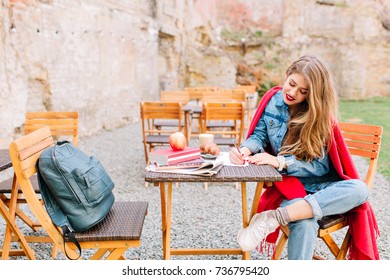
171 157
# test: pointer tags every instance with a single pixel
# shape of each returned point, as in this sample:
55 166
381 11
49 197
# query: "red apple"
177 141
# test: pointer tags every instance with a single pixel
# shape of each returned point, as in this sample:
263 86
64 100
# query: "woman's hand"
237 156
264 158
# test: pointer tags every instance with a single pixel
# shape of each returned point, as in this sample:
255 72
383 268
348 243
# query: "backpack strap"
66 232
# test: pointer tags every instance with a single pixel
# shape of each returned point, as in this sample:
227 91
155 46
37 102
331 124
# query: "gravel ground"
200 218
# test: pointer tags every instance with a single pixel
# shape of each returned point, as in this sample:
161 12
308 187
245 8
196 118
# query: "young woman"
294 131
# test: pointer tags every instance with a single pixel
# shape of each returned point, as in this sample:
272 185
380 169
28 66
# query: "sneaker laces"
260 232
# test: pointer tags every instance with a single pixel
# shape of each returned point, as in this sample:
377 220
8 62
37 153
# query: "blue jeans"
335 198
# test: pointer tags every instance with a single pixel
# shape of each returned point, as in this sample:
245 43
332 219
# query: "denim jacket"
270 131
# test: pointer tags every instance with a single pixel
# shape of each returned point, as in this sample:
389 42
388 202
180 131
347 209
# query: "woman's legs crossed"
336 198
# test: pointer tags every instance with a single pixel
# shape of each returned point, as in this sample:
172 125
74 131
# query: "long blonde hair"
310 125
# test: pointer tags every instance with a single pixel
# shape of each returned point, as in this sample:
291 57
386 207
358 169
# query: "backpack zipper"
54 159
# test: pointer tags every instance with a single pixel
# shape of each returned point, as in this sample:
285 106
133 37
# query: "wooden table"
8 214
261 174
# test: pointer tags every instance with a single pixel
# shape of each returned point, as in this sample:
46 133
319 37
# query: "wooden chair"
237 94
217 96
225 120
224 111
64 126
172 96
120 230
61 124
251 99
175 96
363 141
196 93
151 111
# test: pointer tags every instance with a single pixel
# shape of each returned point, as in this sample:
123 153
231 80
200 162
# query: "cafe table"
262 174
8 214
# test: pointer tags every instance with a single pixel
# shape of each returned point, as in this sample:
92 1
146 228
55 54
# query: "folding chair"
151 111
120 230
364 141
63 125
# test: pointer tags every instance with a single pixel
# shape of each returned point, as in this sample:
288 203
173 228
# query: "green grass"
371 111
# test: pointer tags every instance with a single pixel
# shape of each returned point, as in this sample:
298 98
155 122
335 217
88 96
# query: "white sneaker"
259 227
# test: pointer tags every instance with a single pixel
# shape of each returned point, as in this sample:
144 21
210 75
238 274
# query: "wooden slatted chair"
196 93
159 110
220 113
224 111
217 96
251 99
61 124
120 230
172 96
363 141
175 96
64 126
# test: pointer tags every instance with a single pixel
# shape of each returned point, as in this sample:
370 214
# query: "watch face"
281 160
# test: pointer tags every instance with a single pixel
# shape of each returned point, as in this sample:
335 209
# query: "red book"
169 156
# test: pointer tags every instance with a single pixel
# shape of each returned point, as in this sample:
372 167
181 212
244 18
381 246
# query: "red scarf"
362 223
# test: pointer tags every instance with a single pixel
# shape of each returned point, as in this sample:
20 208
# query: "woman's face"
295 89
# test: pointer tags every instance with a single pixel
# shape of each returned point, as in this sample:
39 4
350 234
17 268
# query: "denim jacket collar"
279 100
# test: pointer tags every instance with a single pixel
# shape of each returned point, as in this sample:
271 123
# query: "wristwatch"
281 161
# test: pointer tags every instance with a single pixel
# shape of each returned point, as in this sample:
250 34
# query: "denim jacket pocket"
273 125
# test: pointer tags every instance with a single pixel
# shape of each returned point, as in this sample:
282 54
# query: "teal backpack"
75 188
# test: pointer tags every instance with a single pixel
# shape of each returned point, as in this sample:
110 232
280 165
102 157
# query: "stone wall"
95 57
351 36
102 57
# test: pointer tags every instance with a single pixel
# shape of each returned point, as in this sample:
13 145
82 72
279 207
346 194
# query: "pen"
245 160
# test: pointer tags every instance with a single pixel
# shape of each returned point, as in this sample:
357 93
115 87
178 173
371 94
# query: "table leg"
244 205
166 209
245 255
9 216
163 216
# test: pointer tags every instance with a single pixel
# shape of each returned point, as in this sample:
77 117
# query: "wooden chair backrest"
60 123
249 89
224 111
196 93
237 94
160 110
217 96
175 96
24 153
363 140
